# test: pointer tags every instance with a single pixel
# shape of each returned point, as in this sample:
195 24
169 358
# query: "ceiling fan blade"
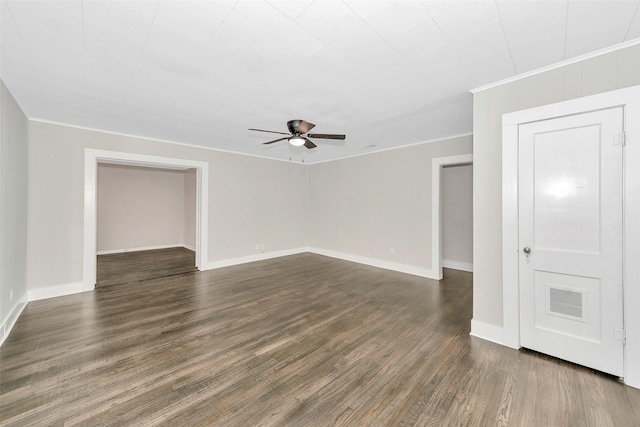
275 140
309 144
326 136
305 127
270 131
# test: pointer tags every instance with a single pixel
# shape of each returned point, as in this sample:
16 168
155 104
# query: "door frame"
629 99
437 163
91 159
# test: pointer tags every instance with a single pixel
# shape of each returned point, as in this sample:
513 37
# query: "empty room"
319 212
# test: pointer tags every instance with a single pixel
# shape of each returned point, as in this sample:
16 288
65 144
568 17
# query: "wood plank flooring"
303 340
129 267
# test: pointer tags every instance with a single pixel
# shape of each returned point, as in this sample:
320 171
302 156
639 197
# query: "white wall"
364 208
251 200
139 208
189 228
607 72
13 210
457 217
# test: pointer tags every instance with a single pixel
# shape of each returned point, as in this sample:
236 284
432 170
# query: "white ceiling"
385 73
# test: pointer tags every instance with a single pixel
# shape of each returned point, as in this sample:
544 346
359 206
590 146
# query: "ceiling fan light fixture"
296 141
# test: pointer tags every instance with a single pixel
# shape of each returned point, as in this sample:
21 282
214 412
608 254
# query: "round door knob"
526 250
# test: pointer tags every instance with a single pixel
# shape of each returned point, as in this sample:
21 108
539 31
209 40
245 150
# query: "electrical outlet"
262 247
392 251
257 246
10 294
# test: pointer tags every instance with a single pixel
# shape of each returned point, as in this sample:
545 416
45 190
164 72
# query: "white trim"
148 138
91 160
436 200
630 99
631 249
90 246
252 258
402 268
306 202
486 331
457 265
203 147
429 141
143 248
9 322
557 65
510 243
58 291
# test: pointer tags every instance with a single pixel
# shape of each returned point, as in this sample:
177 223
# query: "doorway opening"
437 165
94 157
457 217
146 221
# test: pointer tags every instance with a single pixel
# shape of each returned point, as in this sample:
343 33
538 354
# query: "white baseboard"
10 320
191 248
143 248
58 291
387 265
457 265
252 258
487 331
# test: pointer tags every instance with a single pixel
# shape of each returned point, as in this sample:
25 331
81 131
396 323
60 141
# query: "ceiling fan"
298 134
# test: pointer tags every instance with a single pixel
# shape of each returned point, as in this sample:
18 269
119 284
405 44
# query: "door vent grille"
566 303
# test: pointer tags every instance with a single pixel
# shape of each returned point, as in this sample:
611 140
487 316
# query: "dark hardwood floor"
129 267
303 340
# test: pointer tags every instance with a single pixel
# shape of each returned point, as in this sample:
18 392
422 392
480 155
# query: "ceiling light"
296 140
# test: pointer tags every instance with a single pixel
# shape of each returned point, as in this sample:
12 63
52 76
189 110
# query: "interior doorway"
93 157
437 164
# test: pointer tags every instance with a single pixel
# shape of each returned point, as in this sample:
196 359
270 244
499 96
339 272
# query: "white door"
570 235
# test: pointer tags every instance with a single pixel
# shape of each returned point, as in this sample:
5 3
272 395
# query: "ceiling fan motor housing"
292 125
